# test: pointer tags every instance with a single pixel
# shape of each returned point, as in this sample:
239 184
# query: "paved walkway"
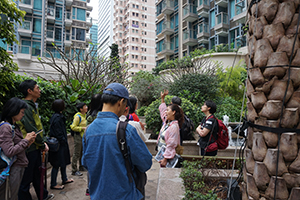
76 190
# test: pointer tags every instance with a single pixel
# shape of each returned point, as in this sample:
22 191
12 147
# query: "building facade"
65 23
134 32
183 26
105 26
93 35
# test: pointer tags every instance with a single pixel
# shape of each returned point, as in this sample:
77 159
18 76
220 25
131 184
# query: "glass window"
80 14
25 47
78 34
37 25
37 4
212 18
36 48
232 11
57 34
58 13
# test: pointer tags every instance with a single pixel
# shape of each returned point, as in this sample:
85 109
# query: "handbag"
179 149
53 144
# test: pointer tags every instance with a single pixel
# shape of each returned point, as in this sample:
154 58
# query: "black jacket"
58 130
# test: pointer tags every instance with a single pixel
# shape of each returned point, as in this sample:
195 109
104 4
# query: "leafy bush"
196 88
230 107
141 111
154 121
145 86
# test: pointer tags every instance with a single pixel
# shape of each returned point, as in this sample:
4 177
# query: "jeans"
54 175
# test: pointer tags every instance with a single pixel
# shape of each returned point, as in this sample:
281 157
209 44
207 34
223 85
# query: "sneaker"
78 173
50 196
87 192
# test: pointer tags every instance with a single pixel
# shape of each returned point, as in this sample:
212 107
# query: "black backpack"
74 132
186 130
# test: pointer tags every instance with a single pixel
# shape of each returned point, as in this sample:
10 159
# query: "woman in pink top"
169 136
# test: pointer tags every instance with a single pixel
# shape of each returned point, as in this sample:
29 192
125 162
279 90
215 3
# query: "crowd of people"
96 147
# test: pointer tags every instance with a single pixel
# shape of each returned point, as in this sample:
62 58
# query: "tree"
10 16
83 75
146 87
272 159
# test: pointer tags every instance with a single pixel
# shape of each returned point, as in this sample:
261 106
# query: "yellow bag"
179 149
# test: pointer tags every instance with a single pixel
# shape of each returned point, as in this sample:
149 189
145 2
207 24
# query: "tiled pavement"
76 190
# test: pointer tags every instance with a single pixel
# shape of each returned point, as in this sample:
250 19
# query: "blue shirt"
105 162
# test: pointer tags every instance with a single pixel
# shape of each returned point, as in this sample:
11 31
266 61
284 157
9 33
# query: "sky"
94 13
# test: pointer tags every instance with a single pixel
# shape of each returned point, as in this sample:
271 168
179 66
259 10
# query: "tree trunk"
271 37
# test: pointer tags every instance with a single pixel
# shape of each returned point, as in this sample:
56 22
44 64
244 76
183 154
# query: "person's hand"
163 94
163 162
46 147
83 128
30 137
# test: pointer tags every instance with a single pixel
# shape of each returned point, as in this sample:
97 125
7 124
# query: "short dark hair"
58 105
25 85
176 100
210 104
95 105
12 108
110 99
133 101
179 116
80 106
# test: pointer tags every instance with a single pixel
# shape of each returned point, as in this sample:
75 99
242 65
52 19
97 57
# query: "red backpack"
223 137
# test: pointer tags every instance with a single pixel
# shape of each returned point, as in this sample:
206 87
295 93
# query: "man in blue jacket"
101 153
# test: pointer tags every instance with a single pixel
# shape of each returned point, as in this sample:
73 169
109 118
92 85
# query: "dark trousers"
54 175
32 175
213 153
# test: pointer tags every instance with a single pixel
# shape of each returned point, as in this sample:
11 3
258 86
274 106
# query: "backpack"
187 128
5 162
74 132
223 137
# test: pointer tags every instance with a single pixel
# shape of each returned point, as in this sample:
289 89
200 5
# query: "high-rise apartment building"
184 25
134 32
93 36
63 22
105 26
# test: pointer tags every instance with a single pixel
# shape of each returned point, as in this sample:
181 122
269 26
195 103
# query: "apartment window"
133 39
37 25
120 18
132 65
142 49
145 49
144 57
136 65
145 41
120 34
137 14
133 14
136 56
78 34
57 34
136 48
132 47
132 30
145 8
133 5
145 24
37 4
133 22
58 13
145 16
78 14
137 6
136 31
132 56
121 11
137 39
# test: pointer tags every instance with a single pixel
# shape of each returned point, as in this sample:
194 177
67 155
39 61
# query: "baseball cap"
117 89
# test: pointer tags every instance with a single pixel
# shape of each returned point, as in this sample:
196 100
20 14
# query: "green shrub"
196 88
154 121
230 107
141 111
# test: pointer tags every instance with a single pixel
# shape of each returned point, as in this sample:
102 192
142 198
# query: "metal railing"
167 4
222 18
69 15
167 24
27 2
26 25
25 49
203 27
189 34
203 2
189 9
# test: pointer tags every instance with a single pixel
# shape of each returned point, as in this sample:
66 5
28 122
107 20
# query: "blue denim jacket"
104 160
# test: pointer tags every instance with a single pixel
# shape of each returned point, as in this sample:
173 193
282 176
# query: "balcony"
190 37
68 40
166 50
203 33
69 3
26 5
167 7
240 12
50 36
223 3
190 13
51 15
203 8
24 52
25 29
68 19
89 21
222 25
167 28
88 37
